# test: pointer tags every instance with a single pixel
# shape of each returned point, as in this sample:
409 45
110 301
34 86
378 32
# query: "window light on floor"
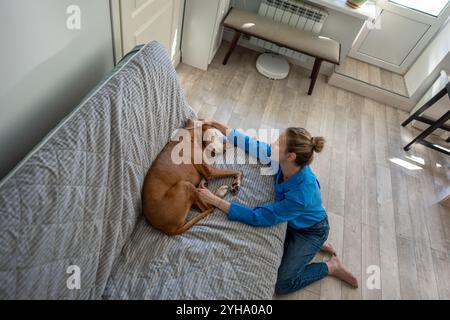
405 164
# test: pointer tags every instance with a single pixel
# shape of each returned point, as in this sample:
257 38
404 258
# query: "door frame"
117 35
116 28
436 23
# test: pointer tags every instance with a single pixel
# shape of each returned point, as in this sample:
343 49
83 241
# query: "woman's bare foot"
336 269
328 248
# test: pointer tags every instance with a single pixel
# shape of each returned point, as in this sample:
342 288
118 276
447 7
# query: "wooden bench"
252 24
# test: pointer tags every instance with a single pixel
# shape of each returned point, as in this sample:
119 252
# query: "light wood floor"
373 75
380 213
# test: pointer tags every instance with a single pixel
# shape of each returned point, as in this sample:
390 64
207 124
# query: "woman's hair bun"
318 144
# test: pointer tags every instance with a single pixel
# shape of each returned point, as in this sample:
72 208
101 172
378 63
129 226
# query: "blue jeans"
300 247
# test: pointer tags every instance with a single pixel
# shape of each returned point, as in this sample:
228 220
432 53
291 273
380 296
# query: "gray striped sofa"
75 202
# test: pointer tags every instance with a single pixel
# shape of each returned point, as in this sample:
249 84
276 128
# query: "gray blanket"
76 201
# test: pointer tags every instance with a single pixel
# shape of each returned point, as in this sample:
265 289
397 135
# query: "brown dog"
171 189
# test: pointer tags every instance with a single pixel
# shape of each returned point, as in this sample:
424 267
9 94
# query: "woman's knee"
283 287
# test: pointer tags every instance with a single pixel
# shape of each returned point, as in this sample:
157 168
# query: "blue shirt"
298 200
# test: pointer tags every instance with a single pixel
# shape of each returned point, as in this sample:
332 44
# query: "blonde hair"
300 142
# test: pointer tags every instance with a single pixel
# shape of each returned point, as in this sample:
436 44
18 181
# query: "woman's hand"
207 196
211 199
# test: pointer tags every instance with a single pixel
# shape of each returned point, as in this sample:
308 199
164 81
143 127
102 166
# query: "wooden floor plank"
247 95
381 138
330 288
274 103
399 191
300 113
390 281
258 104
336 188
370 259
441 263
433 185
373 75
424 261
409 287
352 250
322 163
369 187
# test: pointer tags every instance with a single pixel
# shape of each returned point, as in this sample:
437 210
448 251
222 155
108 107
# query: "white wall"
425 70
46 69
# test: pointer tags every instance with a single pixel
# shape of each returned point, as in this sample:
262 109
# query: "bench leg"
314 74
429 130
237 35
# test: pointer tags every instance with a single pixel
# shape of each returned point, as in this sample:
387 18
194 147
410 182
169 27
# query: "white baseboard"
366 90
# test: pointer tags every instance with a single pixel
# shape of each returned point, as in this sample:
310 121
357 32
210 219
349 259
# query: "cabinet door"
222 10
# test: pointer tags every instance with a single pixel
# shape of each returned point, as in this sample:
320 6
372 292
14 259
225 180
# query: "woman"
298 201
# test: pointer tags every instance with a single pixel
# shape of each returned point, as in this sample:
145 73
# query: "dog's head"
211 139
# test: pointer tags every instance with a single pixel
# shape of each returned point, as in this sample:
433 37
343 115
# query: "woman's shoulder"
302 185
309 177
303 193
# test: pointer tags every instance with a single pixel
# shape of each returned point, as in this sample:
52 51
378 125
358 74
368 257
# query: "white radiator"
299 15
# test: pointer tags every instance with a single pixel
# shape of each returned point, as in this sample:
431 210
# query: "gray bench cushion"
284 35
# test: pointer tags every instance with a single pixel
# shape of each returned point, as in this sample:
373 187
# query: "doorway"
138 22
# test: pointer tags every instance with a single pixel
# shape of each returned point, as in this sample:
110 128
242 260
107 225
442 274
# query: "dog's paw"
222 191
235 188
236 185
203 183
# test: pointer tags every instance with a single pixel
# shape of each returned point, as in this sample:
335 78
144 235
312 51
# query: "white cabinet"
202 31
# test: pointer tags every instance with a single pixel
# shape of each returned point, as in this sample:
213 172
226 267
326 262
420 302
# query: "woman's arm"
258 149
211 199
263 216
222 205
